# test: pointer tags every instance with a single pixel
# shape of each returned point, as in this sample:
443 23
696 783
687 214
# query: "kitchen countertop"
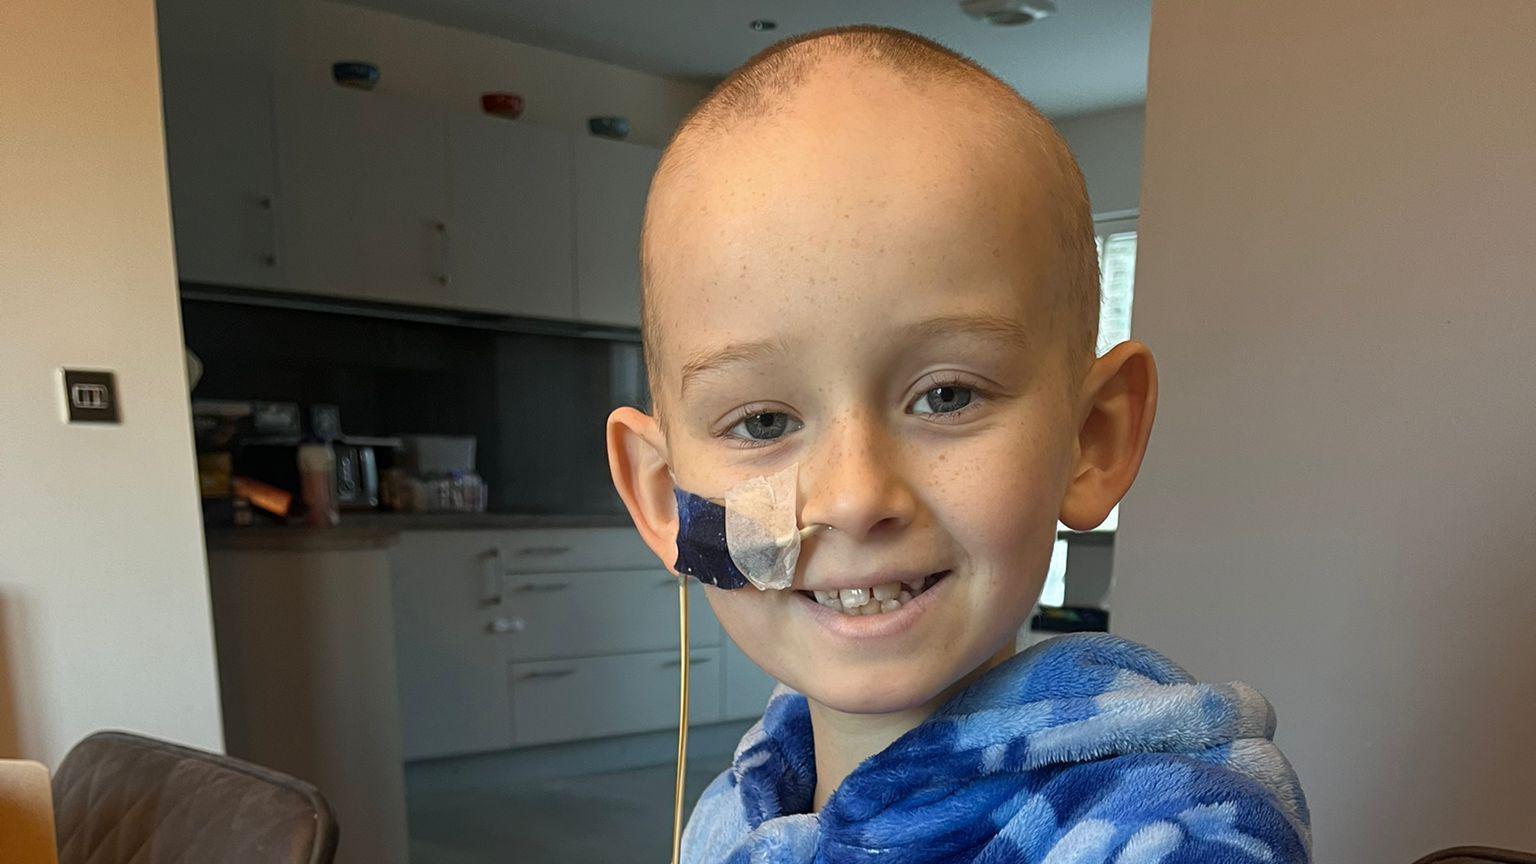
463 521
360 531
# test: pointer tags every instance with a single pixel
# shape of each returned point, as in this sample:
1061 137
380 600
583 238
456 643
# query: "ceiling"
1090 56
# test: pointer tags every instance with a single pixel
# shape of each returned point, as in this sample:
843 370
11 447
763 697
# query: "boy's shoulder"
1153 807
1089 744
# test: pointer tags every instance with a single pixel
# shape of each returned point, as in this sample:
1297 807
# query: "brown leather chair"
122 798
1477 855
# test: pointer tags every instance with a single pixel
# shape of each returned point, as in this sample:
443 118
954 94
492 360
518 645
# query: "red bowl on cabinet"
509 105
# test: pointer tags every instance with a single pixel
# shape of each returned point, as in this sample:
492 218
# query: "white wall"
1339 502
1107 145
445 65
104 617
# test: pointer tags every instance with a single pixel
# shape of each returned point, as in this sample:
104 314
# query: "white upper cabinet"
365 195
612 179
281 179
510 233
216 77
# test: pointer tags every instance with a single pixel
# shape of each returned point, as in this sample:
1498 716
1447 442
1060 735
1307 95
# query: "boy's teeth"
885 597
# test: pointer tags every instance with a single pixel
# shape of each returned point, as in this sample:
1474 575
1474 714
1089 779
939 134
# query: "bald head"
812 84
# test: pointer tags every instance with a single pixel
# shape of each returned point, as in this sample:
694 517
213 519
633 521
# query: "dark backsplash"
536 403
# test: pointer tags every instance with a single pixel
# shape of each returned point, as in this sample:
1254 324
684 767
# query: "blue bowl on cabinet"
608 127
354 73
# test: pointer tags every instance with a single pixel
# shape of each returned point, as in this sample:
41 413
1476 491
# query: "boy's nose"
853 482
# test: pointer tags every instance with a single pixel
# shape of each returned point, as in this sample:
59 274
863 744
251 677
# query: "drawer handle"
490 577
445 272
541 587
692 661
506 625
548 673
543 550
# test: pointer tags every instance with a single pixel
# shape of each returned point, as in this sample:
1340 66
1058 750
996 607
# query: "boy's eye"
942 400
762 425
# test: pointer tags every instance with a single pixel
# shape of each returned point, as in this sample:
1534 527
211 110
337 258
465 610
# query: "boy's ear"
637 459
1117 403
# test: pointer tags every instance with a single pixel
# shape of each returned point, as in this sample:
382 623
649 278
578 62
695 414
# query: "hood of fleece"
1005 749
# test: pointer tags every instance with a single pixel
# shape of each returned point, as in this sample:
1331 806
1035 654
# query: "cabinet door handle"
547 673
543 550
692 661
444 270
269 257
541 587
490 576
499 626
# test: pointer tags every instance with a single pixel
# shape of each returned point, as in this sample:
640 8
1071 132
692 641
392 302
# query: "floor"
603 818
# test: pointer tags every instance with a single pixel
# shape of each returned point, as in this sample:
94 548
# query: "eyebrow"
995 328
704 362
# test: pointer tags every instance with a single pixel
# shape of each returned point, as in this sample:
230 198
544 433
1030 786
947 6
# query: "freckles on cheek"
996 506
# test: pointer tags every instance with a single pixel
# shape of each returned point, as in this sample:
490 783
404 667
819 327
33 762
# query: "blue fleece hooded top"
1086 748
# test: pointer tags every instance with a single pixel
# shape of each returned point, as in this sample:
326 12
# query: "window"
1116 241
1117 280
1117 265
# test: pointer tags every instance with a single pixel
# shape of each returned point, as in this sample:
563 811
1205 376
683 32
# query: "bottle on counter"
317 483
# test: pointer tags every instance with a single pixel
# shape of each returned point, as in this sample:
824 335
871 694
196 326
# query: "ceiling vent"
1008 13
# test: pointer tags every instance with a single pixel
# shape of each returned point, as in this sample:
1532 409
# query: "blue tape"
701 549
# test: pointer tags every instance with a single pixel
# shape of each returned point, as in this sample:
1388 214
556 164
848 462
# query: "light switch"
90 396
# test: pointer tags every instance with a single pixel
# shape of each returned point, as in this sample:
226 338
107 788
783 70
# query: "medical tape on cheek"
701 549
753 538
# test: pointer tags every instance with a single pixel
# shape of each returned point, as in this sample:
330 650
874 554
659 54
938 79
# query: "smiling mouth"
876 599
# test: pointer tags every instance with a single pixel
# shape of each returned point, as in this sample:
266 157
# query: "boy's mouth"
875 599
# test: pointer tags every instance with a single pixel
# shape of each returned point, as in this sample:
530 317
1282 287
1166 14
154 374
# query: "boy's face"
852 289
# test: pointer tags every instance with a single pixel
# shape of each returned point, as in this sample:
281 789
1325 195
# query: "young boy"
870 264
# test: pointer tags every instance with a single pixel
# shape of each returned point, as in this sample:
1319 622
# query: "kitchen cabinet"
568 700
280 179
510 232
215 63
477 640
478 613
612 180
586 613
450 663
307 678
364 193
306 186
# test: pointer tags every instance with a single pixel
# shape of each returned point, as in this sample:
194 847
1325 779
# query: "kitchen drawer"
575 549
594 697
581 614
541 550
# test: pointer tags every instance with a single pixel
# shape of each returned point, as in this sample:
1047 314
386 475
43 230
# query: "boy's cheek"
742 612
987 518
749 619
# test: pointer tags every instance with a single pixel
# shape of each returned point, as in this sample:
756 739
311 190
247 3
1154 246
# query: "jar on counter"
317 484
